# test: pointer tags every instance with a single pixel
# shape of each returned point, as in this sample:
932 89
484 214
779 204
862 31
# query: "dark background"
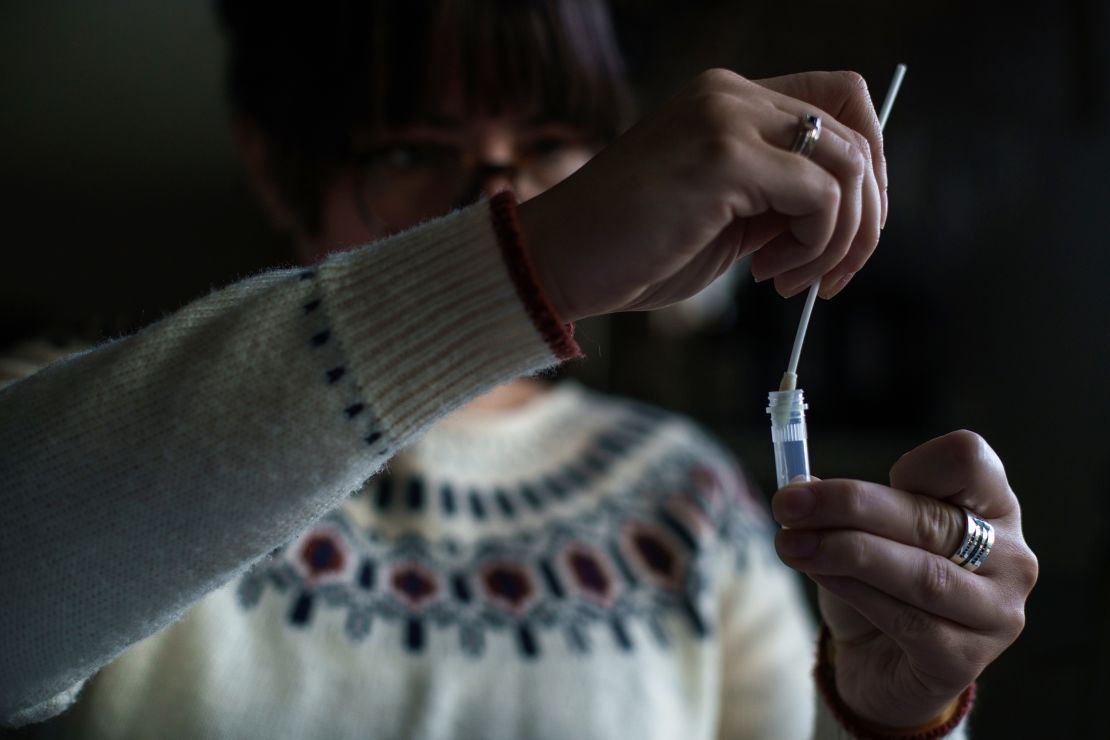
986 306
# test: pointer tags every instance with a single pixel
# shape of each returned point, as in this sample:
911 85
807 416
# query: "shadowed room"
129 194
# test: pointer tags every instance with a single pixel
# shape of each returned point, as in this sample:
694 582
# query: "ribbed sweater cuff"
452 315
558 335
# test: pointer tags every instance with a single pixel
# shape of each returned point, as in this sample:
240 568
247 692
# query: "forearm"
139 476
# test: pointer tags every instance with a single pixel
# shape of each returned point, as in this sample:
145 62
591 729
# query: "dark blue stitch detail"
320 338
385 493
558 490
622 565
477 508
552 580
311 306
680 531
366 574
447 499
354 410
459 587
575 477
527 640
414 494
302 610
503 503
657 630
373 437
414 635
335 374
620 633
577 640
595 462
696 621
529 494
611 443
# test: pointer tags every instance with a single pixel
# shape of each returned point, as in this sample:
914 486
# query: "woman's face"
443 161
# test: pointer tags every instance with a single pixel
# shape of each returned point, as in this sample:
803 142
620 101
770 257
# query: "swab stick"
790 377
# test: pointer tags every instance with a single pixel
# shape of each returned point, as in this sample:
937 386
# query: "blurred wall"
121 193
986 306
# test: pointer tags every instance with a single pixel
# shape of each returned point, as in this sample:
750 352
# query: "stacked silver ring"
809 131
977 544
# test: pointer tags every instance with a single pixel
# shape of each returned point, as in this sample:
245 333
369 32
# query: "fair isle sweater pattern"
637 554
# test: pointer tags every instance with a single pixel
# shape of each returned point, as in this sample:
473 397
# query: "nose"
486 179
491 177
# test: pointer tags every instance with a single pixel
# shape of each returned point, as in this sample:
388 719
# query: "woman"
543 563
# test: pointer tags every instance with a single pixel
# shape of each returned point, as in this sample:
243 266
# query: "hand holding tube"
911 628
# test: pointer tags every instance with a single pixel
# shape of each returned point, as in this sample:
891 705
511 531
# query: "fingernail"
797 544
758 278
793 503
836 287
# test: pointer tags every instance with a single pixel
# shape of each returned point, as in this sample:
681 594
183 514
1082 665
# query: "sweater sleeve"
141 475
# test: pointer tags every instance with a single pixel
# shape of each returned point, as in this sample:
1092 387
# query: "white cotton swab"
891 94
790 377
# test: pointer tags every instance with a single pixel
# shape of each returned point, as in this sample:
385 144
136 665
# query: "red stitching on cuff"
824 673
559 336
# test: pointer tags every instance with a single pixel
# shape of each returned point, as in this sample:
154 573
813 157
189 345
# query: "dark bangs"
555 59
313 75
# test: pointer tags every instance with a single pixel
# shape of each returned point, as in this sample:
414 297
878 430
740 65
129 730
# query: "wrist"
533 293
539 240
939 725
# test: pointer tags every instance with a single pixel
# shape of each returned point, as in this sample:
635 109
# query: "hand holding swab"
790 377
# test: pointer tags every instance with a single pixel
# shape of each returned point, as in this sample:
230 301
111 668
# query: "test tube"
788 433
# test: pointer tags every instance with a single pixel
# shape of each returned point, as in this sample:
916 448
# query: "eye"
549 146
409 155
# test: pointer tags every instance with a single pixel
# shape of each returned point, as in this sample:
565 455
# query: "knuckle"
853 500
853 79
932 580
863 144
972 655
828 193
970 452
912 624
857 163
1028 570
933 525
723 148
1014 623
714 108
854 551
719 147
967 447
717 77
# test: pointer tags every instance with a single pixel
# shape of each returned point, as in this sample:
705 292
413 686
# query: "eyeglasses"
407 181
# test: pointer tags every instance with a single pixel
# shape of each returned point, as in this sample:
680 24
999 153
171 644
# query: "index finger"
917 521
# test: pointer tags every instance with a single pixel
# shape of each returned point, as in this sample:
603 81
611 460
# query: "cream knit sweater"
199 539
